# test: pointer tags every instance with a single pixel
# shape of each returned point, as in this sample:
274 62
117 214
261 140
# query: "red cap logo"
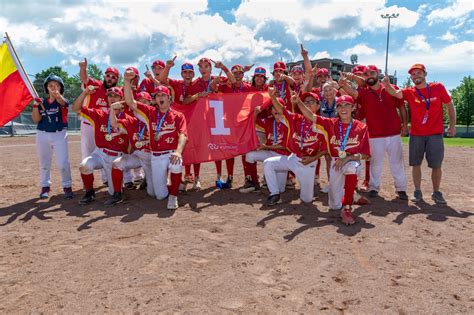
237 68
417 66
279 65
115 90
322 72
112 70
345 99
144 95
161 90
158 63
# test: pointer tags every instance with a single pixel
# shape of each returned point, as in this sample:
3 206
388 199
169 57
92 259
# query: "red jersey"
167 129
179 89
303 140
99 119
200 85
147 85
357 141
264 88
380 111
284 91
434 97
228 88
270 127
97 100
137 132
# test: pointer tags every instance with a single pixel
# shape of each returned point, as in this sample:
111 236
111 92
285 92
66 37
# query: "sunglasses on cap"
113 76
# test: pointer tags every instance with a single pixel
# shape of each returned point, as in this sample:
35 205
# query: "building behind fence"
24 125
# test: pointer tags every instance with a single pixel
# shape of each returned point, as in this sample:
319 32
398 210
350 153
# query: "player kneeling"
306 146
274 130
167 134
348 140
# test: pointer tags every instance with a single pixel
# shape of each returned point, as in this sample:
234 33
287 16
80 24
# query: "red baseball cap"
260 71
112 70
297 68
322 72
237 68
115 90
205 60
158 63
359 68
345 99
372 68
144 95
279 65
135 70
417 66
161 89
307 94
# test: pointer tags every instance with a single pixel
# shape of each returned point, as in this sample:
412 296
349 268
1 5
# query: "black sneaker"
44 194
249 187
373 193
438 198
88 197
402 195
68 194
114 199
273 200
143 185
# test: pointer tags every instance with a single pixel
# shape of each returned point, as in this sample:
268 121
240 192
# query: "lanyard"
141 131
108 122
275 131
161 121
301 133
427 100
208 89
343 142
183 88
282 90
328 110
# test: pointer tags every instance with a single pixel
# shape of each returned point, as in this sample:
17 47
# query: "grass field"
453 142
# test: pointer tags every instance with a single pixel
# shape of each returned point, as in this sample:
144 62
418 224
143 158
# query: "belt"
161 152
110 152
144 150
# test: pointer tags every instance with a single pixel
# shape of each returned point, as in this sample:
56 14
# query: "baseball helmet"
55 78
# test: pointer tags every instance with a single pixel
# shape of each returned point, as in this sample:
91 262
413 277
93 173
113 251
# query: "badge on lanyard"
427 103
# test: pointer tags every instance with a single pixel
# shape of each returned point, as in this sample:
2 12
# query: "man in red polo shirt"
167 132
426 101
386 118
96 100
111 144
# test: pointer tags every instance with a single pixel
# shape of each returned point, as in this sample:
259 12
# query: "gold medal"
341 154
139 144
156 136
108 137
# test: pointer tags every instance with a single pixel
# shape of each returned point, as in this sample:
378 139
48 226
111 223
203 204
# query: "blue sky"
439 34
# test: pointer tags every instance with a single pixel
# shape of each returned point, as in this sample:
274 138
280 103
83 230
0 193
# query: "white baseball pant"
337 180
304 175
99 160
393 147
135 160
46 144
88 144
159 170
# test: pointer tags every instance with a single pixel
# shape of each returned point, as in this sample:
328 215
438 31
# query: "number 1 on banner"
219 130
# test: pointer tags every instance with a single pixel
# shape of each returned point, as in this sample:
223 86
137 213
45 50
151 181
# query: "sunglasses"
111 76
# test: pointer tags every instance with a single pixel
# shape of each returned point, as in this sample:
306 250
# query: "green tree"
407 83
95 72
463 99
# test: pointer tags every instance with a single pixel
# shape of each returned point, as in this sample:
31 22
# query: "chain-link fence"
24 125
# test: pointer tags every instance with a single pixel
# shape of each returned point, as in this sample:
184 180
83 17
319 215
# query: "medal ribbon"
301 133
275 133
342 143
161 121
141 131
328 110
108 122
282 90
427 100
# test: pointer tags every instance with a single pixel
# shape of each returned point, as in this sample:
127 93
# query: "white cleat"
172 202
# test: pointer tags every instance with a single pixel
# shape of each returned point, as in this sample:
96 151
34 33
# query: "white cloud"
456 10
448 36
417 43
359 49
321 54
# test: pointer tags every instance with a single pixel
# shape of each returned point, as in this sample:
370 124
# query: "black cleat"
373 193
88 197
273 200
402 195
114 199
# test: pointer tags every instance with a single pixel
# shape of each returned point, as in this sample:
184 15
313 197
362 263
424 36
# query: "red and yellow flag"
15 90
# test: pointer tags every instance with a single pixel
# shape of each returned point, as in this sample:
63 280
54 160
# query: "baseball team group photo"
261 165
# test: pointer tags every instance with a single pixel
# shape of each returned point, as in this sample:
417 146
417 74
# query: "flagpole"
22 68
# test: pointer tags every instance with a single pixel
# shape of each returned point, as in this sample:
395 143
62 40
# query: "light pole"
388 16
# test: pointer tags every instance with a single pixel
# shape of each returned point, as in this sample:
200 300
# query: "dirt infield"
222 252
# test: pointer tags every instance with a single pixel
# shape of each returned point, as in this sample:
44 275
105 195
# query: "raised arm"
307 63
78 103
289 80
127 90
347 87
278 106
83 71
220 65
389 88
307 113
163 77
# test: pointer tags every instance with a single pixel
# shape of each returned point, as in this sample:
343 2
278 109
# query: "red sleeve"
181 124
91 113
146 109
407 94
445 98
93 82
